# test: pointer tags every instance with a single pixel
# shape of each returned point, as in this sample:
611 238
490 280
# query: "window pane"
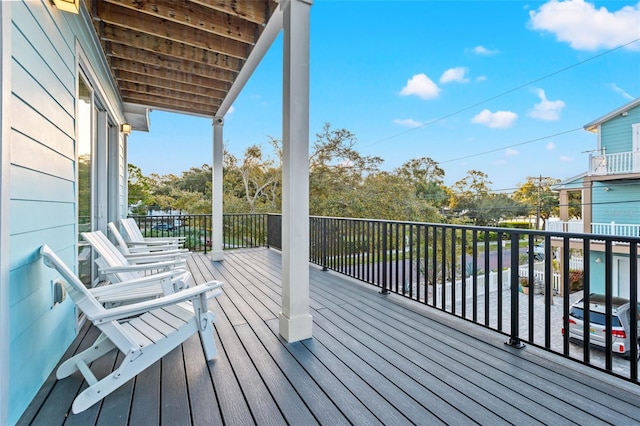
84 179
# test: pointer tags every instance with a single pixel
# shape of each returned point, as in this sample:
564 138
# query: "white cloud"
551 146
481 78
409 122
546 110
422 86
509 152
495 120
565 158
481 50
231 109
619 91
586 28
457 74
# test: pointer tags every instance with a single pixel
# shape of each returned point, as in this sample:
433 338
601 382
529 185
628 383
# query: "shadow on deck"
373 359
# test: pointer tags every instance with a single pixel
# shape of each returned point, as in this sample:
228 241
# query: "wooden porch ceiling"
178 55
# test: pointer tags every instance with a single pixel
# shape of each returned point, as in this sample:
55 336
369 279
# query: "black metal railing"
480 274
239 230
195 228
244 230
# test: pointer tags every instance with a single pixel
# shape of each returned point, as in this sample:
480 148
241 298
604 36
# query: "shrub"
576 280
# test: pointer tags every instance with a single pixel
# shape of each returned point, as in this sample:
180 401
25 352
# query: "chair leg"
132 364
101 347
207 339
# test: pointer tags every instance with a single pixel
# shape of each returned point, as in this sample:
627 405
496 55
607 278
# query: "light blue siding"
43 206
29 122
616 134
619 204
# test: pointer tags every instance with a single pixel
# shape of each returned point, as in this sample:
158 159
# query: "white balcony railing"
611 164
573 226
610 228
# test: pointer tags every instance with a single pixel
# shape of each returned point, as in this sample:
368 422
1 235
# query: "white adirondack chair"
144 332
134 251
117 268
133 235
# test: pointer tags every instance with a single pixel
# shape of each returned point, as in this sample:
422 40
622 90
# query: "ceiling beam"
196 16
157 64
124 40
145 79
254 11
122 17
174 77
172 95
208 109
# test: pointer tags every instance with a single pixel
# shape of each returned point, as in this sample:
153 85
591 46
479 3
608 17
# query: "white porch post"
295 320
217 191
5 196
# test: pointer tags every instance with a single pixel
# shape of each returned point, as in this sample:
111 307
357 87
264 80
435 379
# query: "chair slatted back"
122 244
131 230
110 256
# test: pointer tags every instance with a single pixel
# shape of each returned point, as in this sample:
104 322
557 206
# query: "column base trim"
296 328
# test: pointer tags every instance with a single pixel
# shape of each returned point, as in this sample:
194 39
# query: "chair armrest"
155 258
162 240
149 250
159 245
143 266
126 311
145 287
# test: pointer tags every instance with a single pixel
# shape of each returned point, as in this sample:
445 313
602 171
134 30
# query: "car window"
595 317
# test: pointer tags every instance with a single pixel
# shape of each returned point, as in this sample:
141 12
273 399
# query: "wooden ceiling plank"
156 65
153 101
254 11
127 78
196 16
161 92
178 78
119 16
137 40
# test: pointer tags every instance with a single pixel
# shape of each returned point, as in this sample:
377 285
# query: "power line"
511 146
567 68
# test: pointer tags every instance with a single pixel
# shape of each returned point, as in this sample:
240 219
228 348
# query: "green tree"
428 179
139 190
337 171
256 178
468 193
536 193
492 208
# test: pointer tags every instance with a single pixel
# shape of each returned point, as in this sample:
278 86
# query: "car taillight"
619 333
571 321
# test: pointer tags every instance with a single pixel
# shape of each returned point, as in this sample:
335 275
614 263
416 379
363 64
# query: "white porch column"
295 321
5 197
217 191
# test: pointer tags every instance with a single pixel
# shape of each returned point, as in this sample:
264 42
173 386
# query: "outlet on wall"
58 293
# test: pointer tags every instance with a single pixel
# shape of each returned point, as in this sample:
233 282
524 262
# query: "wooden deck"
374 359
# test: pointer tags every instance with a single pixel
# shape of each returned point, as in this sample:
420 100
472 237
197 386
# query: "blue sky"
450 80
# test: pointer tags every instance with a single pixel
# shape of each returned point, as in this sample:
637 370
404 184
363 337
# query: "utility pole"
538 204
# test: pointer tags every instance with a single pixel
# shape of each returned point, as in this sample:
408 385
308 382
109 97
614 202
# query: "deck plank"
374 359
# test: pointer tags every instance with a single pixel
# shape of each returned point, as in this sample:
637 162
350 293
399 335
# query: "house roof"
181 56
593 126
570 183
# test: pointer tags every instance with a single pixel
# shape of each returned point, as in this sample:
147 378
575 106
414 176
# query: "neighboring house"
610 193
77 76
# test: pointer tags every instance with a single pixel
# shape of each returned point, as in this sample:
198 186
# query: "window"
85 174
